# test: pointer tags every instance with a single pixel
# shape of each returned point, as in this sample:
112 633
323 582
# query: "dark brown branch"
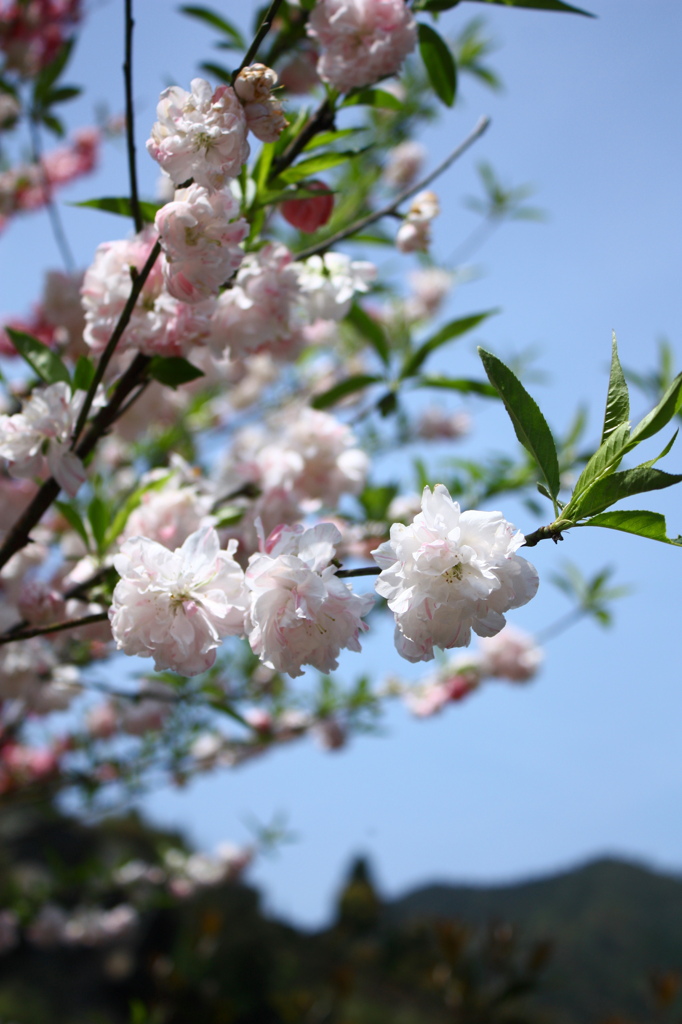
265 26
321 120
55 627
130 120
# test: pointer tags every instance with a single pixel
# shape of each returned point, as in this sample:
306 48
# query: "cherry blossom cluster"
33 31
30 186
361 40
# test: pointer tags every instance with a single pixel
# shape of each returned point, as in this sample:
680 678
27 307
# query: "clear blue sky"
587 759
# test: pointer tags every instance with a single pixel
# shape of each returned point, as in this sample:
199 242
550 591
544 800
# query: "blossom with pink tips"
300 612
36 440
200 135
177 606
511 654
362 40
200 233
449 572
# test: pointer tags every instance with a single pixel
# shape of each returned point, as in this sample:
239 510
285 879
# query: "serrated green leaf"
370 329
539 5
39 357
83 374
74 520
173 371
439 63
465 385
345 387
121 206
210 17
610 489
314 165
530 426
641 523
661 414
617 398
452 330
605 460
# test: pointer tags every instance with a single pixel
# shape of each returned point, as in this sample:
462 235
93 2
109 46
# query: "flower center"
454 573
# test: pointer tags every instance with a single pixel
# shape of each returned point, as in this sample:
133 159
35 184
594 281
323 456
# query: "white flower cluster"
444 575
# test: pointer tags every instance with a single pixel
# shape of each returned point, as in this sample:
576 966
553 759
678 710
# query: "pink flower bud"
311 213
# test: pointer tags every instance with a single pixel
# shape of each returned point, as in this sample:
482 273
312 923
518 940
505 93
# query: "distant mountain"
612 925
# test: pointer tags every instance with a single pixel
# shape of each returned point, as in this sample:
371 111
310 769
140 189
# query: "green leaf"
343 388
465 385
661 414
327 138
375 501
617 399
74 520
644 524
49 75
122 206
83 374
173 370
374 98
217 71
314 165
540 5
452 330
605 461
62 95
439 63
39 357
215 21
54 124
616 486
370 329
529 424
98 517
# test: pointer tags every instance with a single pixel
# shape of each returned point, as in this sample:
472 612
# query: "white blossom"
450 572
177 606
200 134
301 613
328 284
36 440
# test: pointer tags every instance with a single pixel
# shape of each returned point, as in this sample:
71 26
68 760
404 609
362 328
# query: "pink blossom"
404 163
436 424
362 40
329 283
301 613
200 135
36 440
200 232
429 288
159 324
170 515
414 234
511 654
177 606
450 572
259 313
33 31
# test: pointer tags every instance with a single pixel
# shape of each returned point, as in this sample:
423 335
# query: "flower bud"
311 213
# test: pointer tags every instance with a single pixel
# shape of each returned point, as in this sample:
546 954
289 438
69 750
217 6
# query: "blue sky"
586 760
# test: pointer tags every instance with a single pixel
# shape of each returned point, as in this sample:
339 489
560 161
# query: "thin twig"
124 319
320 121
263 30
50 205
130 123
370 570
407 193
56 627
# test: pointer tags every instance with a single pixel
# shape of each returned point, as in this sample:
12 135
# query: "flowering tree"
188 466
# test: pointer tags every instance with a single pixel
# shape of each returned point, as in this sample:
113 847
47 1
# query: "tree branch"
130 121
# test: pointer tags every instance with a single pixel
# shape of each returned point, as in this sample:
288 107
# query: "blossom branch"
130 124
55 627
370 570
552 532
320 121
138 284
265 26
407 193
